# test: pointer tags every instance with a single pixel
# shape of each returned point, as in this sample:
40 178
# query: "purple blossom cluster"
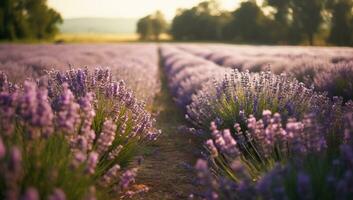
274 162
27 126
113 99
240 94
99 120
265 141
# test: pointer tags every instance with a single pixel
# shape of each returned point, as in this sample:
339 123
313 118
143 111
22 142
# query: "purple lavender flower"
87 117
58 194
67 111
7 112
115 152
35 110
271 185
111 175
78 158
304 186
92 161
212 148
230 146
106 137
30 194
15 161
127 178
348 131
4 83
2 149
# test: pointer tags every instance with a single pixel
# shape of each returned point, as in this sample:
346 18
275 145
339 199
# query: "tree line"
273 22
23 19
152 26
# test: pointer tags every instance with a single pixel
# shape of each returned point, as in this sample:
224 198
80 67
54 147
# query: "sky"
125 8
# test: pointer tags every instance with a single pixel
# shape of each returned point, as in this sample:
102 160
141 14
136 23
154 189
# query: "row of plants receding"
70 135
328 69
133 63
268 136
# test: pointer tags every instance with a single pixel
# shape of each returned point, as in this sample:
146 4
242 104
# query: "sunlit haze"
125 8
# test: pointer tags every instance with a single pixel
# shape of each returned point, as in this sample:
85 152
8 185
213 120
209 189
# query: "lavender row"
327 68
253 158
257 159
274 58
187 73
136 64
71 135
210 92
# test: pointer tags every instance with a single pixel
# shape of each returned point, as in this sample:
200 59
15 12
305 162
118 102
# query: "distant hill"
99 25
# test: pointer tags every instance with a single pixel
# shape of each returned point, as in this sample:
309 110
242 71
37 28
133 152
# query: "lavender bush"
63 145
274 162
336 81
243 93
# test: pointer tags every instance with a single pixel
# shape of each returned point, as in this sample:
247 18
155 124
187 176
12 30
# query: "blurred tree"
307 17
281 17
13 21
42 19
152 26
289 21
27 19
250 24
159 24
144 28
341 32
202 22
182 27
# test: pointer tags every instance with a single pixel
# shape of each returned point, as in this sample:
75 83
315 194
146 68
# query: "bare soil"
164 169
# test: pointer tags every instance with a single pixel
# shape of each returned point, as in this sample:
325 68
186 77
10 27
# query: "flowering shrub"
336 81
274 162
244 93
63 137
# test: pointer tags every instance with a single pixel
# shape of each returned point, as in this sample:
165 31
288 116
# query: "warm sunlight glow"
125 8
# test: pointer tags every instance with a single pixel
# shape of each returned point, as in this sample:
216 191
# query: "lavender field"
175 121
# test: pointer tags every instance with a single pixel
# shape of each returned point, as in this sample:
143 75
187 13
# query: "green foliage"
307 16
281 19
46 164
247 22
152 26
342 22
105 109
276 21
144 28
27 19
202 22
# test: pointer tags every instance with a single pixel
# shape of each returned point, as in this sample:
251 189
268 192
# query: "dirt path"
163 169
